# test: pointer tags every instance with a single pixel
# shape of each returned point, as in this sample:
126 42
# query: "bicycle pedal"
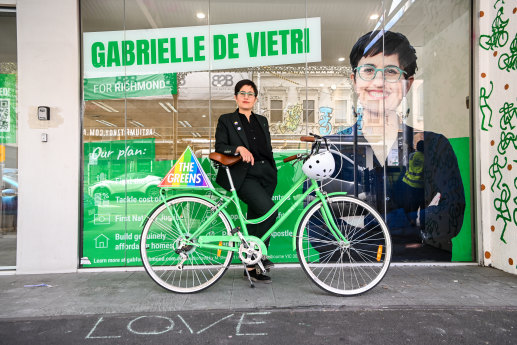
261 271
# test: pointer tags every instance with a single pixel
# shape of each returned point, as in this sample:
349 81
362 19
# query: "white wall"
48 74
496 184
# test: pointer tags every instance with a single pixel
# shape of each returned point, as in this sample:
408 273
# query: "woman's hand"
245 154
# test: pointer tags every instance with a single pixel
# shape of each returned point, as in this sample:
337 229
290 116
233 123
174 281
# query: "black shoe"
268 264
257 277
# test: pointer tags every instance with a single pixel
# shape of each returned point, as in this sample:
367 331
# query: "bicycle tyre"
160 238
340 270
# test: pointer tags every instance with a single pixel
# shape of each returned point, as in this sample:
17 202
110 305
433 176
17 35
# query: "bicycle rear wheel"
161 237
336 267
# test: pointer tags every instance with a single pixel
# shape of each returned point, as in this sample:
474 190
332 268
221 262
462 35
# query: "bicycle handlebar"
313 138
310 139
290 158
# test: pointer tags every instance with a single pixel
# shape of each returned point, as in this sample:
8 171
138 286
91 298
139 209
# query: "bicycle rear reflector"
219 250
379 253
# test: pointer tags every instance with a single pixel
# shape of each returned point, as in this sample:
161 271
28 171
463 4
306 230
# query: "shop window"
276 109
8 139
341 111
148 132
308 111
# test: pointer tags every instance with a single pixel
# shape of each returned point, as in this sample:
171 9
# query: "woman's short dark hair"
392 43
243 82
420 146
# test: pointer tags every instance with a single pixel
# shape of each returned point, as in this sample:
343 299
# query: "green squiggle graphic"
515 202
496 2
495 169
501 206
508 111
509 62
499 35
483 104
506 140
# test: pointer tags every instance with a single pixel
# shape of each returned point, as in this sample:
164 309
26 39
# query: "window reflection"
8 139
317 97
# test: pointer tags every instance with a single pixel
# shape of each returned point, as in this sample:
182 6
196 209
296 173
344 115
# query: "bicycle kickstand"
243 241
248 274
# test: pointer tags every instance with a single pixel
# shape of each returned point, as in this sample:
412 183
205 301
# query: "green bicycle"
343 244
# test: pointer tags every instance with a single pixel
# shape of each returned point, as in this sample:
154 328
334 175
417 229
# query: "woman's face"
376 95
246 102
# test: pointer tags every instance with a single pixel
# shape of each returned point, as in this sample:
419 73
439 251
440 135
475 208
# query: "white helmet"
319 166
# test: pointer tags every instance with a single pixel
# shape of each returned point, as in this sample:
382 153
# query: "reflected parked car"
137 182
9 182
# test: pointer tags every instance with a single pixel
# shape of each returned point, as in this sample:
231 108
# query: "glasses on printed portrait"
391 74
246 94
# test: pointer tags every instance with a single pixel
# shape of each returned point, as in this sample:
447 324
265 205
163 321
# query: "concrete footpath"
101 293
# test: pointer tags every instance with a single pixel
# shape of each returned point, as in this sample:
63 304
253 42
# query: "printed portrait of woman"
410 175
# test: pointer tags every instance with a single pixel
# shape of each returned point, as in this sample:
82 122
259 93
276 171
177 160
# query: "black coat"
228 136
441 175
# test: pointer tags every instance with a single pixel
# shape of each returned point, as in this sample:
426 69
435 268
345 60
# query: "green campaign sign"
201 48
116 202
130 86
120 192
7 108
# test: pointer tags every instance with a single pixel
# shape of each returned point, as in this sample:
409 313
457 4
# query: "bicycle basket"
319 166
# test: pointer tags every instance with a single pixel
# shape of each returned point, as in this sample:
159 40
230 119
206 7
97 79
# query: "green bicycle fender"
184 195
305 210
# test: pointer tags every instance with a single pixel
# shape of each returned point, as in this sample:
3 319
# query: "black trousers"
256 192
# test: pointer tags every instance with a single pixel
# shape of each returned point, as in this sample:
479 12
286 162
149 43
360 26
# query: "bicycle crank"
250 254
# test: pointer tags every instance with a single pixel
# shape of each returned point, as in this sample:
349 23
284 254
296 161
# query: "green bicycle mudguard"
305 210
185 195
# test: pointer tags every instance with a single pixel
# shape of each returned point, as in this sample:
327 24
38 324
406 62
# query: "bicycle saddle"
224 159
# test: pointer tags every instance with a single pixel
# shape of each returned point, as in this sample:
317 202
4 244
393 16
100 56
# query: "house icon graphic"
101 241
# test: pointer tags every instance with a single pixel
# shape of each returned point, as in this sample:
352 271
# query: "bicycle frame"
205 241
184 237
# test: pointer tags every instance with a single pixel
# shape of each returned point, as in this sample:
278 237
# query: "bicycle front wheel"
336 266
168 229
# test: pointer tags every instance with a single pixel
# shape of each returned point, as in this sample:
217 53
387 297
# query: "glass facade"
158 74
8 139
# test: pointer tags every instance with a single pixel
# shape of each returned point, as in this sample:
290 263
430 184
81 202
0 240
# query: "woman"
255 177
383 72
